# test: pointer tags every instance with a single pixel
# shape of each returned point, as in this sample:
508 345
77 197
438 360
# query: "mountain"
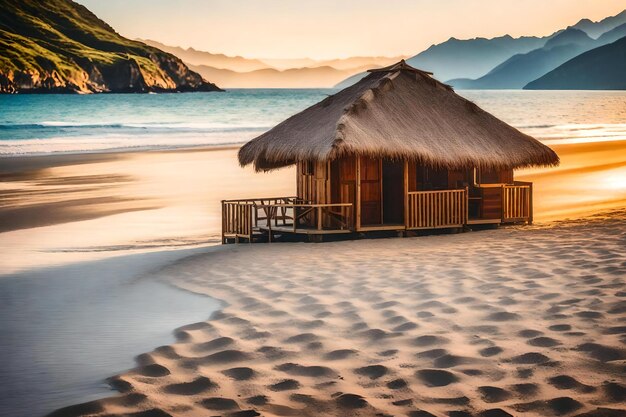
236 72
220 61
612 35
470 58
464 63
359 61
318 77
520 69
602 68
595 29
287 63
60 46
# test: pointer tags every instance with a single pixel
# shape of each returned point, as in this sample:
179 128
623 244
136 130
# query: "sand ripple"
510 322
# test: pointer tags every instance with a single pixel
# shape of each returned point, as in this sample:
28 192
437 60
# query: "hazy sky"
338 28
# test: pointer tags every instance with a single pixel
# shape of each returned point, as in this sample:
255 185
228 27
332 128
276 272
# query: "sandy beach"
515 321
524 321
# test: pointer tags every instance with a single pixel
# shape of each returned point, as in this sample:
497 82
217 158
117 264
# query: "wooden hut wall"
343 180
313 181
425 178
502 176
313 185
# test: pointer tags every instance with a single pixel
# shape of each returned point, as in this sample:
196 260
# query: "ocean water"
36 124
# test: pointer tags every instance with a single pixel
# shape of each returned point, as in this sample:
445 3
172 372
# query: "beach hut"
397 151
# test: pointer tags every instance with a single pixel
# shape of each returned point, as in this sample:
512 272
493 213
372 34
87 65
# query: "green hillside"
60 46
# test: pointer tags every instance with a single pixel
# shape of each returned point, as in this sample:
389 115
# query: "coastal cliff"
59 46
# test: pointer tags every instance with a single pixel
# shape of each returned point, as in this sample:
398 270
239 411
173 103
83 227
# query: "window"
489 176
494 176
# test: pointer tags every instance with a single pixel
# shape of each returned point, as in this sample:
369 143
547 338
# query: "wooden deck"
302 230
248 219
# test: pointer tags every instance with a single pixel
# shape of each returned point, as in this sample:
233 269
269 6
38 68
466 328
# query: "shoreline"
496 336
49 160
68 328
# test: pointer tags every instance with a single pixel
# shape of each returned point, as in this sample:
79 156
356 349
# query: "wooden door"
371 186
393 192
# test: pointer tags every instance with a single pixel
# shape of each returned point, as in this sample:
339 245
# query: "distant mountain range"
602 68
239 72
60 46
220 61
511 63
521 69
316 77
469 58
595 29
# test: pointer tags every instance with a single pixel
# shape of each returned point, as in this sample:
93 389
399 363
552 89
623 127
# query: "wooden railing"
437 209
241 218
237 220
424 210
332 216
517 202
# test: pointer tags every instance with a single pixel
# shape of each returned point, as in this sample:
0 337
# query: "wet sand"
66 329
516 321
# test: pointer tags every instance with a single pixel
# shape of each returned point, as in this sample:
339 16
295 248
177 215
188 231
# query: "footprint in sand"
339 354
194 387
558 406
310 371
219 343
566 382
429 340
432 353
490 351
436 377
351 401
530 358
601 352
397 384
285 385
219 403
493 394
154 370
502 316
372 371
240 373
225 356
525 389
257 400
543 341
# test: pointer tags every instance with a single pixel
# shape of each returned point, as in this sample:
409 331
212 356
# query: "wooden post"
406 193
466 208
223 223
357 203
295 218
380 180
530 203
319 218
269 226
503 202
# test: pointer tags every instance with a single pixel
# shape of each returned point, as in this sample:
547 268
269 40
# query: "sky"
325 29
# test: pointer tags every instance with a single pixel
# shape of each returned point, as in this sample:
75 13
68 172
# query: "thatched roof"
397 112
